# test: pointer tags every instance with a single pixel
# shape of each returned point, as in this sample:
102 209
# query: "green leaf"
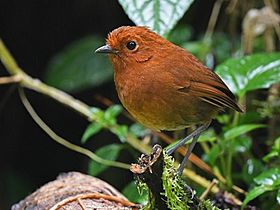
132 194
139 130
269 177
77 68
113 111
180 34
121 131
92 129
241 144
241 129
212 155
109 152
255 192
275 151
250 72
251 169
268 180
160 15
207 136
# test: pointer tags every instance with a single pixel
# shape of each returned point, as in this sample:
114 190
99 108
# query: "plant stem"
64 142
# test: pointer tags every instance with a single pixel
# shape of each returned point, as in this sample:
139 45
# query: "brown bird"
163 86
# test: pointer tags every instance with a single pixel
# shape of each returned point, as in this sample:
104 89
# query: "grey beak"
105 49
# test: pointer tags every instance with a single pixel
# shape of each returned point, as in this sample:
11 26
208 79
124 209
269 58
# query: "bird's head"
132 44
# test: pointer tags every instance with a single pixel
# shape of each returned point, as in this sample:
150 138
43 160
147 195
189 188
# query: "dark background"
34 31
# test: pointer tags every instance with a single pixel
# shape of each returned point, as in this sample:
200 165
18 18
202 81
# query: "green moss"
175 192
173 186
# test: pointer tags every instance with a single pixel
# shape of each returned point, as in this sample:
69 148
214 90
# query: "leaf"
109 152
268 177
255 192
251 169
139 130
250 72
92 129
160 15
207 136
121 131
112 112
212 155
241 144
77 68
132 194
275 151
180 34
268 180
241 129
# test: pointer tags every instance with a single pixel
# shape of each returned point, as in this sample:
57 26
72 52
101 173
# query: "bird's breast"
155 102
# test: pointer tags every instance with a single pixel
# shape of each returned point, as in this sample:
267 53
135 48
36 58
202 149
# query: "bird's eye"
131 45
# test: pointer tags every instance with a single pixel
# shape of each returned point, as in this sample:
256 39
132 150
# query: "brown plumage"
163 86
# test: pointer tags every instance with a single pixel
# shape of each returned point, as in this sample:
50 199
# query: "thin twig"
208 189
61 140
213 19
9 80
80 201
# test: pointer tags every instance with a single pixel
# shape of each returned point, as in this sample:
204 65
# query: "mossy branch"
167 190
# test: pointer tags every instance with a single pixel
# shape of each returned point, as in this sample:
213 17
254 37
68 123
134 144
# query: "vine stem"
63 141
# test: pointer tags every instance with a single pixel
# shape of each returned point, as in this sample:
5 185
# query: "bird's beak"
106 49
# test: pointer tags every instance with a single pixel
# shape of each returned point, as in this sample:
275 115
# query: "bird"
163 86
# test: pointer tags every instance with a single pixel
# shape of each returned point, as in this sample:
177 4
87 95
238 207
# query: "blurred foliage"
134 194
75 68
109 152
268 180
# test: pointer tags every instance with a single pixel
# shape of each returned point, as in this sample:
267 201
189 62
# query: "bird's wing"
211 89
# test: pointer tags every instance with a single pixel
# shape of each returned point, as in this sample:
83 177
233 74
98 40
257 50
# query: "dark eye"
131 45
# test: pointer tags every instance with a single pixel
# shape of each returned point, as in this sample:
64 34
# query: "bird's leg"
184 162
196 132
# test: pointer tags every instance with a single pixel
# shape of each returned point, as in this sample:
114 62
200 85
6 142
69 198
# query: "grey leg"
184 162
189 137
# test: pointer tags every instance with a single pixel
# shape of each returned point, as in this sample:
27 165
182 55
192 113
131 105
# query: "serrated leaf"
109 152
92 129
241 129
76 67
160 15
250 72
